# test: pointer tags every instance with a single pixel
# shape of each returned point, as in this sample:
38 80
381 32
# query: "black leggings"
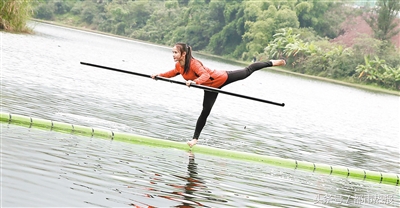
210 97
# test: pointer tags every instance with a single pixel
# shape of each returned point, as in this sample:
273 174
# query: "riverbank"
276 69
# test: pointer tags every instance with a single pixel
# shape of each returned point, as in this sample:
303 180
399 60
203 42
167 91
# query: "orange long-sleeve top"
198 73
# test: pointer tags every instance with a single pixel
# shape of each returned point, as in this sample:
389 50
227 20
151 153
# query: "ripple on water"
53 169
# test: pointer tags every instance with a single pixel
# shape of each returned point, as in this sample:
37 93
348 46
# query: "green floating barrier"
356 173
60 127
390 178
323 168
4 117
373 176
351 173
340 171
277 161
301 165
102 133
82 130
20 120
136 139
41 123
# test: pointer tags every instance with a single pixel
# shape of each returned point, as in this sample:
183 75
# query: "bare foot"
279 62
192 143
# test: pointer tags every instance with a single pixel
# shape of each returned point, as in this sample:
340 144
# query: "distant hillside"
357 27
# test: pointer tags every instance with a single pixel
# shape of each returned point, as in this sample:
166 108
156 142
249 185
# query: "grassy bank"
276 69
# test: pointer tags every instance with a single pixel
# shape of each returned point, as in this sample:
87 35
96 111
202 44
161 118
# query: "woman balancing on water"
194 72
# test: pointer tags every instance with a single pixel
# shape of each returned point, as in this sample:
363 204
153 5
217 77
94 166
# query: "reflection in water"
193 184
188 195
193 181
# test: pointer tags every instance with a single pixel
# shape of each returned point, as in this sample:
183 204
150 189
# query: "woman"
193 71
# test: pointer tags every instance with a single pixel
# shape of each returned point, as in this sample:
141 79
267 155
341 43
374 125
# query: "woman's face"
177 55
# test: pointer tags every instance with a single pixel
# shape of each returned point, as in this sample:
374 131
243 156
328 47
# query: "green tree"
286 18
338 60
139 13
225 41
62 6
44 11
158 27
285 44
260 32
383 19
183 2
312 13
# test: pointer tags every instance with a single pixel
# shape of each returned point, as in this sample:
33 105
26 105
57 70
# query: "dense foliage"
299 30
238 29
14 14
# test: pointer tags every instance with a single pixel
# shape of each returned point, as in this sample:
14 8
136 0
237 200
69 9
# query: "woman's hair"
183 47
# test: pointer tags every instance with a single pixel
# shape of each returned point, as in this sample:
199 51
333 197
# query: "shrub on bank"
14 15
324 59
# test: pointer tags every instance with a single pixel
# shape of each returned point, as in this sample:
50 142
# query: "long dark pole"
183 83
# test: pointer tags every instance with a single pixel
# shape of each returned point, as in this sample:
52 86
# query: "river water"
41 76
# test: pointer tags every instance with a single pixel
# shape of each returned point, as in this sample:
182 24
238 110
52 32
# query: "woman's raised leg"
240 74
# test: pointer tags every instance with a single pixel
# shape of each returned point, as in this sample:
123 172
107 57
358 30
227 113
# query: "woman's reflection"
193 184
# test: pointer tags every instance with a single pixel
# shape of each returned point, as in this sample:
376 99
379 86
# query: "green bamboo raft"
350 173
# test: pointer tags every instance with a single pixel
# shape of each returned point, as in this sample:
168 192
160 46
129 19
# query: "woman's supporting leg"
208 102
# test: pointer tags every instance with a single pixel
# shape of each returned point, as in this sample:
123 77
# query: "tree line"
297 30
233 28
